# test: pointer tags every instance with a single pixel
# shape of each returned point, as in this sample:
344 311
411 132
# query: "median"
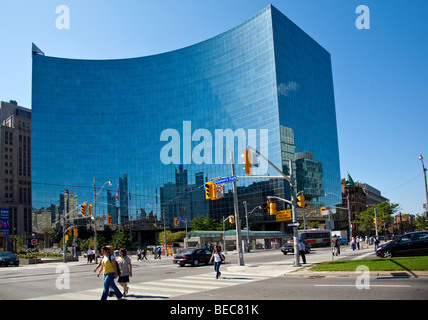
392 264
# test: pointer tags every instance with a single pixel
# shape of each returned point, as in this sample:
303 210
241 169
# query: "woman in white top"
218 258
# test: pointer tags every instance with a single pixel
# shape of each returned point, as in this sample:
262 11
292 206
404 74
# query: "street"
267 275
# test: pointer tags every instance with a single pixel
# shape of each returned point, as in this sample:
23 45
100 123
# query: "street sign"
283 215
219 189
226 180
297 224
34 242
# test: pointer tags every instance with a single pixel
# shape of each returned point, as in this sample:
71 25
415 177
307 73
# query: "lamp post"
95 215
425 178
246 219
349 212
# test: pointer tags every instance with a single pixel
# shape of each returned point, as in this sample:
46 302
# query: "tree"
121 239
207 224
384 215
172 237
421 223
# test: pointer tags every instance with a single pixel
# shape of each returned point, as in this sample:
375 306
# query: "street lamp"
425 177
248 226
95 215
349 212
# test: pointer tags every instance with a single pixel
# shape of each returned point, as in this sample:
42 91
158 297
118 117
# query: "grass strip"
392 264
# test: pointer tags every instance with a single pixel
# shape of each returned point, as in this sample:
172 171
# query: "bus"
316 237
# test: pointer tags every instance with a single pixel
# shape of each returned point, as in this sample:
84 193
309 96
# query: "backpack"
117 265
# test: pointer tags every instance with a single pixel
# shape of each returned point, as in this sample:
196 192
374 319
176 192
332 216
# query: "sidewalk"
287 267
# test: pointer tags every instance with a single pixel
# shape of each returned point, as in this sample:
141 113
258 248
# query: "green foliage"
207 224
420 223
384 214
172 237
121 239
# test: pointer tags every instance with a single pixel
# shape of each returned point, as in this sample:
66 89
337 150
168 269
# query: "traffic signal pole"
237 220
293 201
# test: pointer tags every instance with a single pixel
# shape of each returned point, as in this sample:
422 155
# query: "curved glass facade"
160 126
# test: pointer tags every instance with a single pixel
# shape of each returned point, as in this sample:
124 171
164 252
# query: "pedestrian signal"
232 219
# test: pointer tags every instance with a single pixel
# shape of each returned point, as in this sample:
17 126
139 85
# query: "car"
289 247
412 243
8 259
193 257
343 241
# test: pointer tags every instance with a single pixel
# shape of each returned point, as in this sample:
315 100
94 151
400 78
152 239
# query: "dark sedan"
413 243
193 257
8 259
289 248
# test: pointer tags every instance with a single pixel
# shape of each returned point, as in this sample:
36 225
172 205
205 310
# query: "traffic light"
109 220
272 208
176 222
90 210
250 161
210 191
76 232
83 209
265 208
248 166
232 219
301 201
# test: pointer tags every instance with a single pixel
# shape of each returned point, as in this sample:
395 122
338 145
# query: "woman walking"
218 258
125 268
108 266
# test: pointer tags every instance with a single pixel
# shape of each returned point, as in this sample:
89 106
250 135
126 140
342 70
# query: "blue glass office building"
160 126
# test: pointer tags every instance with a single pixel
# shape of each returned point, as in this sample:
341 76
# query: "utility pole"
237 220
95 222
294 217
425 178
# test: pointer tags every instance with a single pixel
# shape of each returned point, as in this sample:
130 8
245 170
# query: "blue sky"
380 75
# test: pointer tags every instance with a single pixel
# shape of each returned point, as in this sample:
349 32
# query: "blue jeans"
109 282
217 268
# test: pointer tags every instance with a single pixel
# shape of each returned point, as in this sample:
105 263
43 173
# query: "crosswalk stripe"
165 288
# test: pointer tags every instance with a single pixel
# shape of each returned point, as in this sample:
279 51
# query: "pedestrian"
358 242
376 243
155 252
354 243
335 245
108 266
144 253
366 241
139 254
302 247
125 268
159 252
218 258
89 255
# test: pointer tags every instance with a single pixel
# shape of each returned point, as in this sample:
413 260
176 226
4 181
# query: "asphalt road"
262 279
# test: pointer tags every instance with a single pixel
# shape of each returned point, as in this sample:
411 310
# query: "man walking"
302 251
